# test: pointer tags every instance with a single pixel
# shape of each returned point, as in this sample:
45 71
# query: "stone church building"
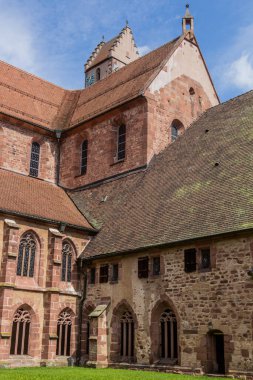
126 215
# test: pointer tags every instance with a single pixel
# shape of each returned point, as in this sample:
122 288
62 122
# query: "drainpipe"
58 136
80 313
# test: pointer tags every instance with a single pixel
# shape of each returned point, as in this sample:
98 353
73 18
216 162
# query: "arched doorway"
215 352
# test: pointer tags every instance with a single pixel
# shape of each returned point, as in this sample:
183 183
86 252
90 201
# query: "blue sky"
53 38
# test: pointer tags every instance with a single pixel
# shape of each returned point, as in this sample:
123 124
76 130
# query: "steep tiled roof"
31 197
123 85
201 185
35 100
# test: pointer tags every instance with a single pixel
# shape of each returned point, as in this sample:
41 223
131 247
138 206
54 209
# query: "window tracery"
26 256
20 332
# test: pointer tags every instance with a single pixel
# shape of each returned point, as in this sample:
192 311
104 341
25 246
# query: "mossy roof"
201 185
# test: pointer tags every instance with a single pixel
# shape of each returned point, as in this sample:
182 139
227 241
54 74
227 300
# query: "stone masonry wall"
101 134
220 299
16 151
44 295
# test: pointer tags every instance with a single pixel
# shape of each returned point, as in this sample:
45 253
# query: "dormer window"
98 74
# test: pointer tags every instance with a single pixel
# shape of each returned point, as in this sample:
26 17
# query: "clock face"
90 80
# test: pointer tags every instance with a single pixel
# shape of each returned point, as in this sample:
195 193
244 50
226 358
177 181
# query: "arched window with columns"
26 255
64 324
20 332
127 336
168 336
67 256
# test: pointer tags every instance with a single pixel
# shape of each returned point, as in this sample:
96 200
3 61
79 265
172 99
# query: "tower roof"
187 12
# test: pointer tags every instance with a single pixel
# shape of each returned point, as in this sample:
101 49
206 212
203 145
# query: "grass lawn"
75 373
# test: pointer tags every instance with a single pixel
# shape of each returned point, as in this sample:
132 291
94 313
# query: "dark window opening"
103 276
205 258
67 253
190 260
191 91
156 266
143 267
98 74
26 256
121 148
93 276
35 157
168 330
84 160
115 272
127 336
64 324
20 333
176 128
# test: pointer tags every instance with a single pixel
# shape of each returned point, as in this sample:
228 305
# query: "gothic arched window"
127 336
121 144
26 255
67 253
176 128
20 332
84 158
64 324
35 158
168 324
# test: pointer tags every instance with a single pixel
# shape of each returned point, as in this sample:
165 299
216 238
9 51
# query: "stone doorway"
215 352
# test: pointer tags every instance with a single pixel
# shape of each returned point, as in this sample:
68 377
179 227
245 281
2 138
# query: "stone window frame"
64 327
122 307
178 126
74 271
38 145
34 337
21 323
104 277
38 260
84 157
151 258
198 248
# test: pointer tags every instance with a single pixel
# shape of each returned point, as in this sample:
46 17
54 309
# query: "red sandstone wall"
102 136
16 151
173 101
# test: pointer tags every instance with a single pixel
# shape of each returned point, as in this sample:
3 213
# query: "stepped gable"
30 197
37 101
104 50
123 85
199 186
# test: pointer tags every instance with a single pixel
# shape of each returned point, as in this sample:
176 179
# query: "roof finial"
126 23
188 23
103 38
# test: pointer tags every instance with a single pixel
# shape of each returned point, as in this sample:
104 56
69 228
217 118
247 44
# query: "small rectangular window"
103 276
92 275
205 258
156 266
143 267
190 260
84 159
121 149
115 272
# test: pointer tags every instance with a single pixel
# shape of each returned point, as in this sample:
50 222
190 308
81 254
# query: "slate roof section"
37 101
199 186
31 197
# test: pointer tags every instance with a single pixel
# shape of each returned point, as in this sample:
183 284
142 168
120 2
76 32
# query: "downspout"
58 136
80 313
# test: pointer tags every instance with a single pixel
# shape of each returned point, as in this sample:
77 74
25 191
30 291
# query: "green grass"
68 373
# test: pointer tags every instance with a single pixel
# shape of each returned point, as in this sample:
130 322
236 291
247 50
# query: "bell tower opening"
188 22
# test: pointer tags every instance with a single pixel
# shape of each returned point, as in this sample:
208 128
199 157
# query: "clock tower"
110 56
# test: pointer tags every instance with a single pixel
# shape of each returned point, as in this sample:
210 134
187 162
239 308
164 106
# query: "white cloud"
16 39
240 73
144 49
